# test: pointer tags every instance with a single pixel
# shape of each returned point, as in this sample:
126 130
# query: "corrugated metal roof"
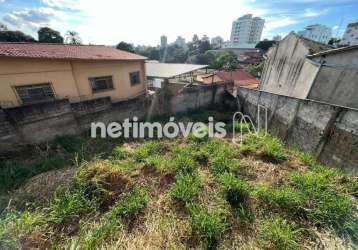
334 51
169 70
65 52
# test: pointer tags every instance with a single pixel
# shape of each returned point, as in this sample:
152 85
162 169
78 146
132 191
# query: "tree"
126 47
3 27
334 41
176 54
72 37
15 36
48 35
225 60
265 45
256 70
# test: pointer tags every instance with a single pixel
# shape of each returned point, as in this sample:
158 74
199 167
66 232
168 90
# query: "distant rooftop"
334 51
65 52
351 25
169 70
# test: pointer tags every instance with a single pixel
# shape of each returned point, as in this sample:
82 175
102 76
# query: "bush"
71 144
208 226
236 190
186 188
278 234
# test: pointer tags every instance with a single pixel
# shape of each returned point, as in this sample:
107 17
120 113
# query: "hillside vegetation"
176 194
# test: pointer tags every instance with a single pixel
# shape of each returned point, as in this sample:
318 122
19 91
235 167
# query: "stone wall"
328 132
44 121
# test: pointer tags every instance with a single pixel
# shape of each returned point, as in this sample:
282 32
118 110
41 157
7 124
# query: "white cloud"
315 13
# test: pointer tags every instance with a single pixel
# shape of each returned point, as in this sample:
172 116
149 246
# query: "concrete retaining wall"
44 121
327 131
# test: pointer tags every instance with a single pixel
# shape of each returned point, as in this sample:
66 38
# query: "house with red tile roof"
35 72
239 77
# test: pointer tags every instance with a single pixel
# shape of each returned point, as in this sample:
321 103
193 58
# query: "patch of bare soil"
40 188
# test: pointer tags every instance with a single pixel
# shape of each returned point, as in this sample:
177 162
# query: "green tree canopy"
265 45
126 47
48 35
72 37
15 36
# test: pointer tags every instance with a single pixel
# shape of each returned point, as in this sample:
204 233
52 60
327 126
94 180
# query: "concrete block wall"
44 121
327 131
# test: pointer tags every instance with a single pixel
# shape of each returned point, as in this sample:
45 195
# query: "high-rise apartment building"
163 41
246 31
317 32
350 36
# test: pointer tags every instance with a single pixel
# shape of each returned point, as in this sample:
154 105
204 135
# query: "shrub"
278 234
186 188
236 190
208 226
71 144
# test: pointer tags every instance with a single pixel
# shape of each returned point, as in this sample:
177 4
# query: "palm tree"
72 37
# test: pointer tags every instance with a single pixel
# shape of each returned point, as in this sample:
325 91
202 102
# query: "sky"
142 22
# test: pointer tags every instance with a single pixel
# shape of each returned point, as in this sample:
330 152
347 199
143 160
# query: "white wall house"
317 32
246 31
350 36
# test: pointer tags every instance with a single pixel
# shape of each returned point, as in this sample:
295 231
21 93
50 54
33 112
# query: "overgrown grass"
236 191
277 233
186 188
208 226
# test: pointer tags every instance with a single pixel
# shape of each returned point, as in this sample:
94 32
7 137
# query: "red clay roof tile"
65 52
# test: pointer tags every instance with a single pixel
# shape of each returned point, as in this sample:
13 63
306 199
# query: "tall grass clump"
278 234
273 149
236 191
127 207
284 197
186 188
67 205
147 149
208 226
328 208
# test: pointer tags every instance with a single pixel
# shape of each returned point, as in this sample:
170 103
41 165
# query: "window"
101 83
35 93
134 77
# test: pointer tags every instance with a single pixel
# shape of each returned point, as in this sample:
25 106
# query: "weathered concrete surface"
341 148
286 71
328 132
337 81
283 117
44 121
310 124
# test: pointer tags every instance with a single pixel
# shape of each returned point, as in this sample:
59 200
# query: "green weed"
208 226
236 191
278 234
186 188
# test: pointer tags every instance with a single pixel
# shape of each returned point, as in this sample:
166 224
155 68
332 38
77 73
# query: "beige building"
31 73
